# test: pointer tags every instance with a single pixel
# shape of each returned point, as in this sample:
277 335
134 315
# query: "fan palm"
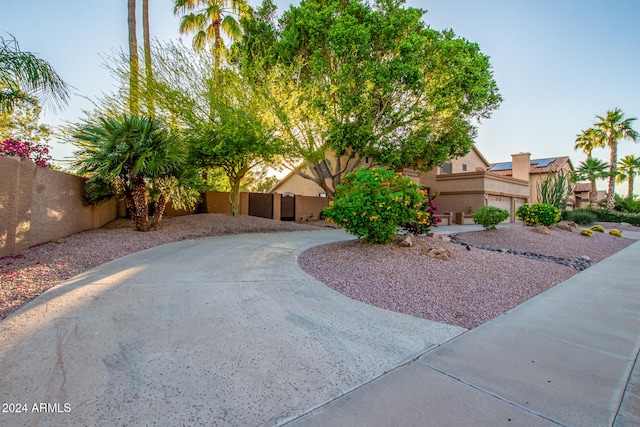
628 169
127 153
591 170
612 128
587 141
23 75
209 19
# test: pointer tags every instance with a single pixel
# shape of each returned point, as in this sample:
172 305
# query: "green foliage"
427 214
605 215
554 190
581 216
586 232
629 205
373 203
490 216
538 214
23 76
598 228
615 232
351 80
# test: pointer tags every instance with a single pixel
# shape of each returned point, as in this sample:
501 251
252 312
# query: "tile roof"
549 164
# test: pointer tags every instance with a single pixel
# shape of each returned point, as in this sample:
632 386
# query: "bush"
586 232
490 216
427 212
598 228
605 215
581 216
373 203
538 214
615 232
37 153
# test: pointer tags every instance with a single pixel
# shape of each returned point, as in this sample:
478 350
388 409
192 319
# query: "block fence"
38 205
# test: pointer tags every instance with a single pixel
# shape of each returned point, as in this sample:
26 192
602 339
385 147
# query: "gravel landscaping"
474 286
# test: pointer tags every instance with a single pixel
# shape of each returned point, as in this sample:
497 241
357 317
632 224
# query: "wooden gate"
261 205
288 207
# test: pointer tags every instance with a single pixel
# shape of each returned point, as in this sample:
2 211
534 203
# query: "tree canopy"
349 80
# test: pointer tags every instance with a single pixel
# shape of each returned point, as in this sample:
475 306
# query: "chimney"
521 165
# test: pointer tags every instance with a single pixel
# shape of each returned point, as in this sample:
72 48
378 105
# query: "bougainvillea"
38 153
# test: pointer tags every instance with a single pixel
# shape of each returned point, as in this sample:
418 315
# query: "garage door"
501 202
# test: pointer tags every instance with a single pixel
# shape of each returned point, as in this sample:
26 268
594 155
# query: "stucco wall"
309 208
38 205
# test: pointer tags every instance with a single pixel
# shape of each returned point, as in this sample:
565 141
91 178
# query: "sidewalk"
565 357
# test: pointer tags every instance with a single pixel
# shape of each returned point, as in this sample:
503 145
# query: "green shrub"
490 216
538 214
605 215
586 232
615 232
598 228
373 203
581 216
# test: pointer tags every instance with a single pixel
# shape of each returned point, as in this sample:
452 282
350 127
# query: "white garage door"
501 202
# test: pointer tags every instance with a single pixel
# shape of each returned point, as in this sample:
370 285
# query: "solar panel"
506 166
543 163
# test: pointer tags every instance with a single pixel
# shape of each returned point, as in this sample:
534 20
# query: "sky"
557 63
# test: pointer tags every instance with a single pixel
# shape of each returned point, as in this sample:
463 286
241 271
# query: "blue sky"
557 63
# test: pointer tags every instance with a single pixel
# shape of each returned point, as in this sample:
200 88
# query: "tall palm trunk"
148 71
593 195
613 159
630 178
134 87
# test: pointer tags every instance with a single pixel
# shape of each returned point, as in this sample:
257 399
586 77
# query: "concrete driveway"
221 331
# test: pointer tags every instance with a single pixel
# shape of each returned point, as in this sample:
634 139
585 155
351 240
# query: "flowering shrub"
372 203
538 214
615 232
38 153
490 216
427 217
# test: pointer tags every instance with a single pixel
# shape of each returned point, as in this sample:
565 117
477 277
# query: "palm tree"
628 169
209 19
591 169
134 86
587 141
148 71
126 154
611 129
23 75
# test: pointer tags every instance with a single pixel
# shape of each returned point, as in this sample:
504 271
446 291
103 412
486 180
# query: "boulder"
564 226
439 253
407 242
540 229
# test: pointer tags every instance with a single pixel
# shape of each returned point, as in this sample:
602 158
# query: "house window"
325 170
464 167
446 167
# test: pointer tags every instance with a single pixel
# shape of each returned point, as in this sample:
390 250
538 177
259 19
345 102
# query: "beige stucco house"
582 191
463 185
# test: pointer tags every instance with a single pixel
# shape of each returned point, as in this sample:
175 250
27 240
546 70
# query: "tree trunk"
134 87
593 195
613 159
217 45
140 215
630 179
148 71
161 205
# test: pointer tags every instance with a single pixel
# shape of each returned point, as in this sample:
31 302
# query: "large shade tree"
23 76
351 82
612 128
628 170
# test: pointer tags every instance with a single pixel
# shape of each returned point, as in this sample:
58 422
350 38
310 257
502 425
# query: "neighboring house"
539 170
582 191
463 185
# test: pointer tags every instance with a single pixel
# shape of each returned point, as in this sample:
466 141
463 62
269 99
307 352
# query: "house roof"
581 187
546 165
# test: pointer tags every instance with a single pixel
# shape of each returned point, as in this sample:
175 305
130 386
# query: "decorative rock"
564 226
407 242
540 229
60 240
585 257
445 238
572 224
439 253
